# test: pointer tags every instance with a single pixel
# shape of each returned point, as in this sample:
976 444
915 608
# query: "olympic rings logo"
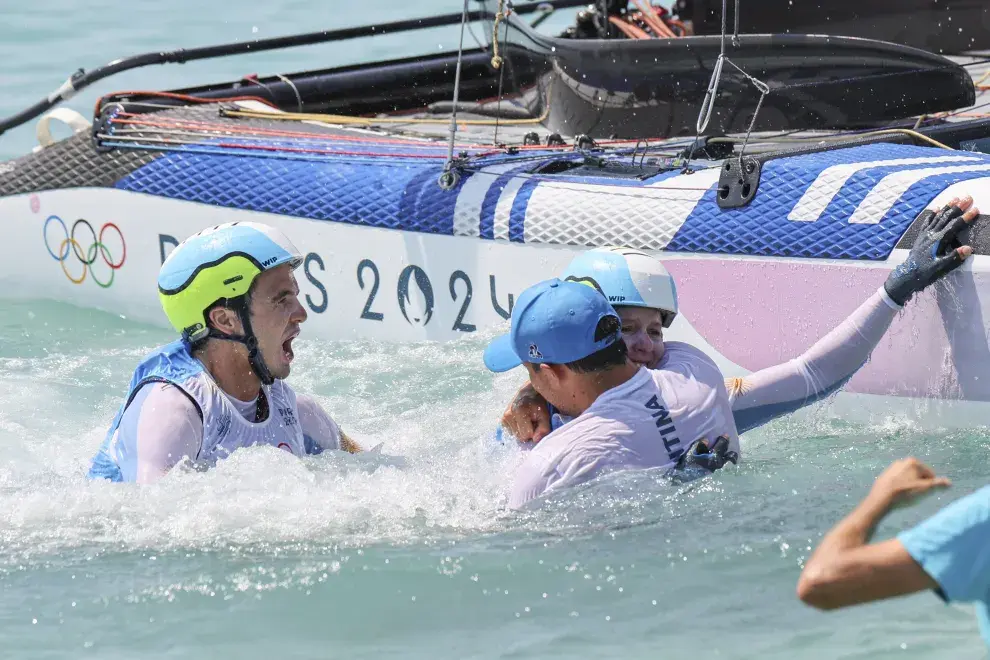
85 258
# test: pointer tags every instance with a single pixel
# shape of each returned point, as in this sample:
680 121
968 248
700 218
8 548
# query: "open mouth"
287 352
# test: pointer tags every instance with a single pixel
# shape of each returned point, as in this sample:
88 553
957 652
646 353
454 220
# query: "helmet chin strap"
249 340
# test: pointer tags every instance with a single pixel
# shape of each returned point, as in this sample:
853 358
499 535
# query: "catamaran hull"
101 248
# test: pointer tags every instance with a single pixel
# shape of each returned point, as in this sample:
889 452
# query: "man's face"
276 314
553 384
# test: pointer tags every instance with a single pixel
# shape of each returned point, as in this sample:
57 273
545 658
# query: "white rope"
708 106
705 113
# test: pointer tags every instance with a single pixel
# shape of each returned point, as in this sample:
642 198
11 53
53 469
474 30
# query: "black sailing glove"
700 455
932 256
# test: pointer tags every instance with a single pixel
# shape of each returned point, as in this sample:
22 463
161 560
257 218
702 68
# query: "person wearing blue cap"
949 553
646 300
569 339
694 405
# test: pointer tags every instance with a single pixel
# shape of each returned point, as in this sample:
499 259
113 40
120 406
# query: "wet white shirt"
165 426
752 400
647 422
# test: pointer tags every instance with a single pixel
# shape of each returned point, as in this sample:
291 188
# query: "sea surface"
410 553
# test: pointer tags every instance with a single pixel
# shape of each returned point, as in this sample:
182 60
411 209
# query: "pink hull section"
761 313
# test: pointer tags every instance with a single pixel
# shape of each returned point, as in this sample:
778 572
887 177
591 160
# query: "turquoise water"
409 554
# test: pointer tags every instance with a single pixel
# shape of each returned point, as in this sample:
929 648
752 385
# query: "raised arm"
947 553
827 366
846 570
821 370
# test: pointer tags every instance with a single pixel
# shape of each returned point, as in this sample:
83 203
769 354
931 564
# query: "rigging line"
474 37
208 130
961 111
705 113
708 105
546 154
457 91
735 32
201 150
228 148
752 123
499 17
501 77
290 140
143 104
294 89
253 79
759 84
180 97
854 137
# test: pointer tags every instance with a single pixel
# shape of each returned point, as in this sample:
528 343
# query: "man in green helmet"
231 293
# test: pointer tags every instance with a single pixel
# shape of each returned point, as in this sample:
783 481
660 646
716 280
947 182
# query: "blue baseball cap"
553 322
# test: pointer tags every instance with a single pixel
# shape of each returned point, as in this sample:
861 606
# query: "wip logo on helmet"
534 352
86 258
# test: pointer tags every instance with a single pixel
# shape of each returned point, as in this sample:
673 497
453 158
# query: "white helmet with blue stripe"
627 277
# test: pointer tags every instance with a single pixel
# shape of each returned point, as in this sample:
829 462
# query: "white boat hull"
932 368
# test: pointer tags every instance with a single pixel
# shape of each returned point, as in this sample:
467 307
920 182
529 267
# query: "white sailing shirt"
647 422
162 425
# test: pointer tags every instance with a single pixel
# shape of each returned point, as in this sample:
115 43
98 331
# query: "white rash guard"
628 427
819 372
165 426
647 422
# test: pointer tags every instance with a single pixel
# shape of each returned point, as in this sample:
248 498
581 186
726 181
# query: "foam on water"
411 552
433 476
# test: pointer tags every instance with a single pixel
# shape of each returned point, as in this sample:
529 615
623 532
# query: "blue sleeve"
953 547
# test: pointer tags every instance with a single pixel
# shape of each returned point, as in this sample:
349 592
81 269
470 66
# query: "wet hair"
613 355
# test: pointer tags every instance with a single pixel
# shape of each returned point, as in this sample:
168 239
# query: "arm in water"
946 552
320 432
828 365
